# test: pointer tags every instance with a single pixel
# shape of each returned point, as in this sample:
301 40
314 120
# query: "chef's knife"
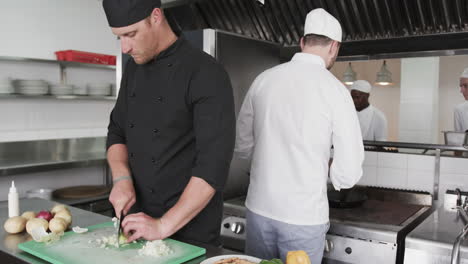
120 230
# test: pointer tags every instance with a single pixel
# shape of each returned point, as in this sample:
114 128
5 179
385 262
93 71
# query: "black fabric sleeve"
214 124
117 122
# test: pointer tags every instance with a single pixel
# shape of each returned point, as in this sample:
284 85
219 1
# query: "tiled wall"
413 172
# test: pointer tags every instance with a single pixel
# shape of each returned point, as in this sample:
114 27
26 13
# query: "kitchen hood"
369 26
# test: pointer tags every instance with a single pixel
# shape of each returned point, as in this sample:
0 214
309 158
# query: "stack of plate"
99 89
61 89
6 87
32 87
80 90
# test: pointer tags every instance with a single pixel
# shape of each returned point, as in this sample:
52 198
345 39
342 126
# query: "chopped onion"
156 248
79 230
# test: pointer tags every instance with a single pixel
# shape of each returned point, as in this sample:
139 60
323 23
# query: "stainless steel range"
374 232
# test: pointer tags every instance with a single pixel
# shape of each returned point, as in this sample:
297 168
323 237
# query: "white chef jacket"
460 116
291 116
373 124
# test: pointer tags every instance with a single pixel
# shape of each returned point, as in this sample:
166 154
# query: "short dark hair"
316 40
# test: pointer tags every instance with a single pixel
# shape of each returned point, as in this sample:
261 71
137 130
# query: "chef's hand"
141 225
122 196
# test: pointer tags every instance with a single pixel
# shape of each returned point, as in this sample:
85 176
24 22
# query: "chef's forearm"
117 157
197 194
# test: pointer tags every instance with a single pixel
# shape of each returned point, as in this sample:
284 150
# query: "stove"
371 233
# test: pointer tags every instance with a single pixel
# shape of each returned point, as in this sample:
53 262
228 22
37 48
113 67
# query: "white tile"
369 176
370 158
451 178
392 160
454 165
421 162
420 180
394 178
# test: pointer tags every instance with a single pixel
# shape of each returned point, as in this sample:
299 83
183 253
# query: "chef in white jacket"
372 121
291 116
461 111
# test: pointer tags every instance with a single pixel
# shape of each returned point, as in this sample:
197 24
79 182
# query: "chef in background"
372 120
291 116
460 114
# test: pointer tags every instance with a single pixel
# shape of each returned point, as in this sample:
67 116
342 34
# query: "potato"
65 214
58 207
57 225
36 222
29 215
15 224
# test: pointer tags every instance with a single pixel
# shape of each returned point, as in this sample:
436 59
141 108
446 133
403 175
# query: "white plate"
218 258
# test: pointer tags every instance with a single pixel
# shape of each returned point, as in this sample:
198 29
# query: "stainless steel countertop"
9 252
437 233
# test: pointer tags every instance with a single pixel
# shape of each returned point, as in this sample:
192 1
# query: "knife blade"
119 230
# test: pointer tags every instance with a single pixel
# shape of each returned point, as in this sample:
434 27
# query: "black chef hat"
122 13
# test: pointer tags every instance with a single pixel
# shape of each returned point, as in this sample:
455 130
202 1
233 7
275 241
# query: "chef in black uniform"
172 130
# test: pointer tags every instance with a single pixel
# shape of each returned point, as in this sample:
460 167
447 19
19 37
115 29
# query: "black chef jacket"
176 116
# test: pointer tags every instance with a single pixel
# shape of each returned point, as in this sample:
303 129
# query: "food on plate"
272 261
297 257
59 207
35 223
29 214
65 214
45 215
156 248
57 225
14 225
235 260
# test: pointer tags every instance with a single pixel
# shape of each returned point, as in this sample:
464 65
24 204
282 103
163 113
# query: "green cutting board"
82 248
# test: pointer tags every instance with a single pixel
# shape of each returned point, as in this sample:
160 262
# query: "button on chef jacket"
291 116
176 116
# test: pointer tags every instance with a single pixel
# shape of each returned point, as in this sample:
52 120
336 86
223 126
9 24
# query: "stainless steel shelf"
59 97
61 63
45 155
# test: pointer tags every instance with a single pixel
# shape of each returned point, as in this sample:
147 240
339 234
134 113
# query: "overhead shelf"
59 97
61 63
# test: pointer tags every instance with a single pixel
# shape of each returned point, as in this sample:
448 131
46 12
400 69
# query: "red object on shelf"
87 57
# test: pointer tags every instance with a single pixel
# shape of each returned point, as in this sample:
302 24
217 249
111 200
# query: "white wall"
35 29
385 98
419 101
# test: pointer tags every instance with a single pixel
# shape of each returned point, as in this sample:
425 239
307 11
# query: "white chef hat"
362 86
320 22
464 73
